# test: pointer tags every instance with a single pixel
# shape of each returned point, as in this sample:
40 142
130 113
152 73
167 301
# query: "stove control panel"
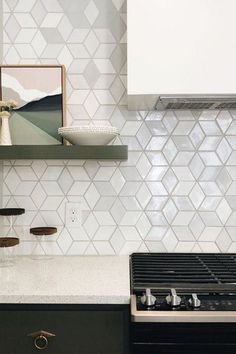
189 302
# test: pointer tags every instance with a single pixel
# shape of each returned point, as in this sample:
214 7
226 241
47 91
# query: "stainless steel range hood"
196 102
181 54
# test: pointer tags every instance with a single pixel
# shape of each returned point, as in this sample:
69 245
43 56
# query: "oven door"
184 338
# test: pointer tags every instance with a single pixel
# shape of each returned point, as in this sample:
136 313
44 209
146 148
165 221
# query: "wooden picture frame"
40 93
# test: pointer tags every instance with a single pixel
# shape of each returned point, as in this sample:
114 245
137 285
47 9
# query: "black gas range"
183 303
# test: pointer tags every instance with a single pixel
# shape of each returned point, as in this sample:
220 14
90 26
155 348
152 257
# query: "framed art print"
39 91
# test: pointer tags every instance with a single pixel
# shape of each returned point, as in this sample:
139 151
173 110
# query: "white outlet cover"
73 214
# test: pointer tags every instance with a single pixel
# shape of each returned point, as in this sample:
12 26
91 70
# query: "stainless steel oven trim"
180 316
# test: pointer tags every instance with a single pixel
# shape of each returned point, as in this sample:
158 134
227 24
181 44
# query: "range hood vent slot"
196 102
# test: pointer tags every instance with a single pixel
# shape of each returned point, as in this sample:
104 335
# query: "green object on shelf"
63 152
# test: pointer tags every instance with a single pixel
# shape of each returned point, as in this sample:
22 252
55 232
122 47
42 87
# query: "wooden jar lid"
12 211
41 231
9 241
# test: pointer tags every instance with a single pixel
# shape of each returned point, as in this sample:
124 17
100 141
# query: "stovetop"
188 273
183 287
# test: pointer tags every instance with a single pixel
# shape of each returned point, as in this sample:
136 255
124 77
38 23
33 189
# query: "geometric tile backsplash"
177 190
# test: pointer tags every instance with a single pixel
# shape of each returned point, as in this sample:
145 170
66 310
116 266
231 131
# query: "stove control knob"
173 299
148 299
194 301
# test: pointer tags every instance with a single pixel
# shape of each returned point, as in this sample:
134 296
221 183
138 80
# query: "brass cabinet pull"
41 339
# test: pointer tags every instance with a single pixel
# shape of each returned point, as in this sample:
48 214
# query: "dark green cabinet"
69 329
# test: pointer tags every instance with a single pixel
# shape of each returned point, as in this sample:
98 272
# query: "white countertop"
67 279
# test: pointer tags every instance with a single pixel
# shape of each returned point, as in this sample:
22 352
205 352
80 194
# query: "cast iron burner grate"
183 271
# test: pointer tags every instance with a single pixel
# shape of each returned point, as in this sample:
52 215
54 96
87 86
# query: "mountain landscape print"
39 92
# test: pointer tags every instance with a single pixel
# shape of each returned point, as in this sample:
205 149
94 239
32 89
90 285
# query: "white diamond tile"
210 128
78 248
25 20
25 35
38 195
223 180
183 128
78 188
156 143
104 173
156 233
170 151
223 211
183 218
51 188
183 158
143 165
170 121
64 240
183 188
183 203
170 211
91 12
183 173
169 180
210 143
24 188
52 19
130 203
196 226
156 203
52 6
155 247
103 248
117 241
210 173
130 218
209 247
157 188
210 218
38 43
143 195
196 196
104 233
91 43
184 247
104 50
130 233
104 203
196 135
104 218
210 203
156 173
91 225
196 166
224 150
65 181
92 196
143 226
223 241
170 241
130 247
183 143
224 120
51 203
157 218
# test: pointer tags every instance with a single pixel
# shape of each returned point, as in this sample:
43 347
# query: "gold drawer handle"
41 339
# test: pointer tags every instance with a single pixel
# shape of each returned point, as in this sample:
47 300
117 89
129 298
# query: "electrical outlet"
73 214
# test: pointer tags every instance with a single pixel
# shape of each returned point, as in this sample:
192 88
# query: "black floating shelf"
83 152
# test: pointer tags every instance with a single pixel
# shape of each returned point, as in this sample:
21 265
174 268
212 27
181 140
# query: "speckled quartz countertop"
69 279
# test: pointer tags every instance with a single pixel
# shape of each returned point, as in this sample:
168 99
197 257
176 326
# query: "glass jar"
44 246
8 247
